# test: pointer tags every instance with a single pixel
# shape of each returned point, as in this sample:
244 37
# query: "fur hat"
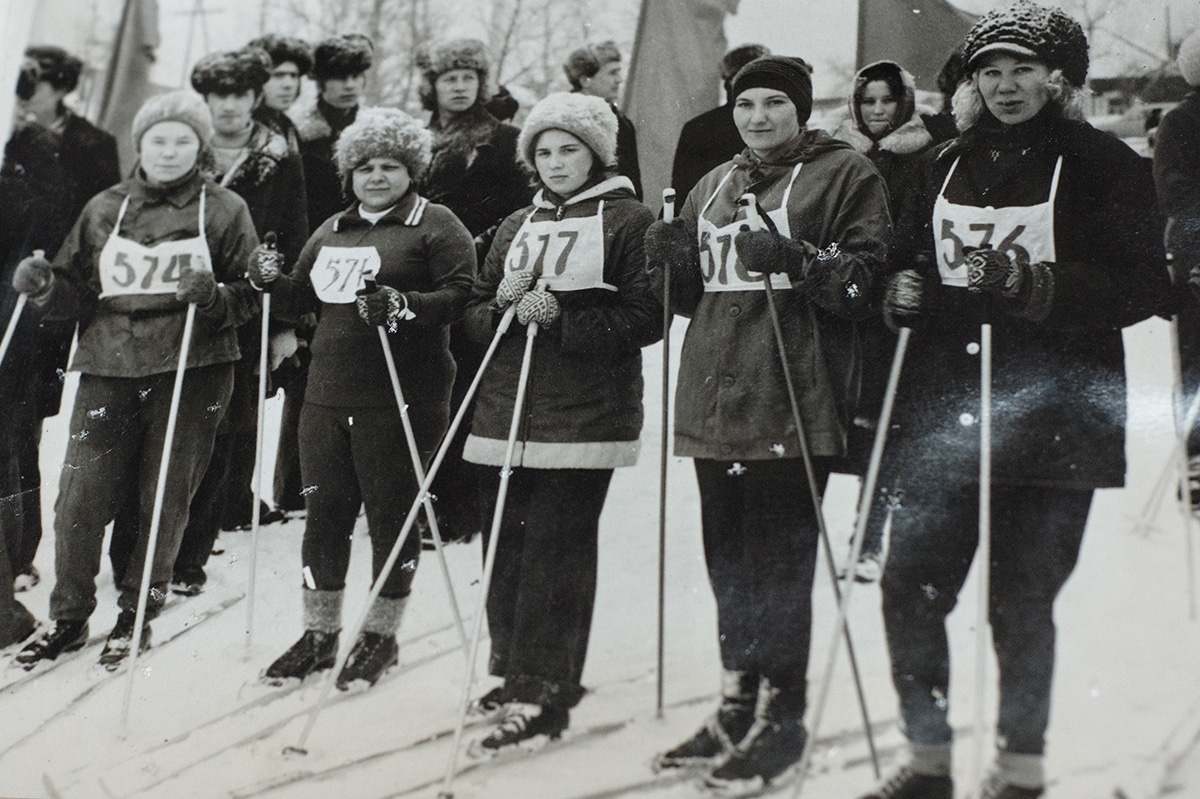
788 74
1189 59
439 58
588 118
232 72
739 57
57 67
586 61
177 106
1025 28
384 133
281 50
343 56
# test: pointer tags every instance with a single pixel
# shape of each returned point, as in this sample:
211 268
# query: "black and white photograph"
587 399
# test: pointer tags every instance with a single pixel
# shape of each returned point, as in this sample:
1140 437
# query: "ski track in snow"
1126 704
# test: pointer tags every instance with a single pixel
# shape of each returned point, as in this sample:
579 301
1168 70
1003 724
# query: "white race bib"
340 272
128 267
568 254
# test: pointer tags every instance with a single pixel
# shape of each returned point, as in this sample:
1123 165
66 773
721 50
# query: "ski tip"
445 794
289 751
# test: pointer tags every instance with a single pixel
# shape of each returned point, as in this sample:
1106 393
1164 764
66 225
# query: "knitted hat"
739 57
788 74
587 60
1189 59
178 106
232 72
384 133
439 58
343 56
57 67
281 50
588 118
1027 29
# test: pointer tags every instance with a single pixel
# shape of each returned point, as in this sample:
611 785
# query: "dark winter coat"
583 406
426 254
135 336
705 142
1177 179
731 400
627 152
475 173
89 158
1058 395
319 125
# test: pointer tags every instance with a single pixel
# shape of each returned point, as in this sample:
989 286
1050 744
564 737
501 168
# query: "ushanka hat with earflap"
587 118
1025 28
435 60
232 72
283 49
343 56
384 133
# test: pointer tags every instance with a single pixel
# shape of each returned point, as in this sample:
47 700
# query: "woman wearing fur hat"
140 253
352 443
883 122
475 174
1039 225
583 407
595 69
827 239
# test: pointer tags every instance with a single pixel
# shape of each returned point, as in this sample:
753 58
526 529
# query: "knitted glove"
765 251
33 276
264 264
993 272
670 246
903 299
512 288
537 306
386 307
198 286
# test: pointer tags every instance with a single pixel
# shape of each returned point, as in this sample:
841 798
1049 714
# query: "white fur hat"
590 119
1189 59
384 133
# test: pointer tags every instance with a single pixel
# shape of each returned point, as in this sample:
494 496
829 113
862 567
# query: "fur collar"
911 137
311 123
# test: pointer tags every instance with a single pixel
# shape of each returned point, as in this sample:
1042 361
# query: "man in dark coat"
595 69
710 139
291 60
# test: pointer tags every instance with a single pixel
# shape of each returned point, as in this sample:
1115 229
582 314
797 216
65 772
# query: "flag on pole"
127 84
674 74
917 34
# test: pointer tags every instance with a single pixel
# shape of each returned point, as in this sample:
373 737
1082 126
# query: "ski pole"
865 501
489 562
750 204
984 558
160 489
1182 432
413 510
664 456
256 513
419 473
13 320
1164 476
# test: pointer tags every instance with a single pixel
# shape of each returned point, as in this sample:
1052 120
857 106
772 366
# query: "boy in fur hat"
474 173
291 60
352 444
595 70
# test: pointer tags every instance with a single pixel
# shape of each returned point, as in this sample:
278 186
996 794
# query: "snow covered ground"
1127 689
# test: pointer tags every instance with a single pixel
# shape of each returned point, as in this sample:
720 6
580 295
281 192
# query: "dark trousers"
1189 358
289 483
543 588
760 544
118 428
1035 540
460 507
354 457
16 622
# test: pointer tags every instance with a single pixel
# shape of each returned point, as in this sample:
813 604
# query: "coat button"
728 380
973 348
966 420
735 310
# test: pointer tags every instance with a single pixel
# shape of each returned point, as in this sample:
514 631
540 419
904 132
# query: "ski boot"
63 636
997 787
774 744
188 581
723 731
523 721
371 656
905 783
315 651
120 640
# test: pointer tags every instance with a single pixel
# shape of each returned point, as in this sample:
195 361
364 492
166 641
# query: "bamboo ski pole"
984 556
160 488
750 204
447 790
264 340
298 748
664 457
15 319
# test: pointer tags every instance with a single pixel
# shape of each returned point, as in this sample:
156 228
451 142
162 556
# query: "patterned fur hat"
57 67
1189 59
232 72
281 50
588 118
438 59
384 133
1025 28
343 56
178 106
587 60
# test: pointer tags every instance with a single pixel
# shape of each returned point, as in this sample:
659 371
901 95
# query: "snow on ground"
1127 690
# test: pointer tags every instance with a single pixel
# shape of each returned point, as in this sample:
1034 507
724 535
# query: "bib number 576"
980 236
